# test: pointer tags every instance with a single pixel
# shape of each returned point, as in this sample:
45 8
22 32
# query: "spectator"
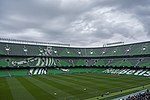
140 96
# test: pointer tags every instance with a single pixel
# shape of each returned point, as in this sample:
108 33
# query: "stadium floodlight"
55 51
25 50
79 52
144 48
7 49
41 51
113 44
91 52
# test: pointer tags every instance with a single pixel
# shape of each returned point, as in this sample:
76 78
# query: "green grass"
76 86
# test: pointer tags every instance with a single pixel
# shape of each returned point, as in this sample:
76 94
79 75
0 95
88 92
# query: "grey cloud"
79 22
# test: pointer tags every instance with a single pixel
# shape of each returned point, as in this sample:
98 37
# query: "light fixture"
79 52
91 52
128 50
25 50
41 51
144 48
7 49
55 51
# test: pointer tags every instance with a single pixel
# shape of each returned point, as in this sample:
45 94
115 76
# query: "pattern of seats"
21 55
42 71
21 62
137 72
55 51
26 61
114 62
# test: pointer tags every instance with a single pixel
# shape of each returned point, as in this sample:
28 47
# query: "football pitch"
76 86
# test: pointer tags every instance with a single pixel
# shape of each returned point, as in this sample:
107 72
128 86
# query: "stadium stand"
32 50
141 95
24 57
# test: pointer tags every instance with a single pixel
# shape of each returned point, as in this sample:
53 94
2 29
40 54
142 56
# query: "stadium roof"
31 42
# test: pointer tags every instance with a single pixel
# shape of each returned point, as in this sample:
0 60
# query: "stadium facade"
37 58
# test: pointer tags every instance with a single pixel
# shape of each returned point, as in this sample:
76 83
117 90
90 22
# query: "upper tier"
57 51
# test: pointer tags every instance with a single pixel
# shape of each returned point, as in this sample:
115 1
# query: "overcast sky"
77 22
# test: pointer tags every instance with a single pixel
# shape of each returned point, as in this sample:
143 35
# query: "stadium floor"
77 86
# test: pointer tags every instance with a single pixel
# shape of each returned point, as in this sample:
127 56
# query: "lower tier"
43 71
21 62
